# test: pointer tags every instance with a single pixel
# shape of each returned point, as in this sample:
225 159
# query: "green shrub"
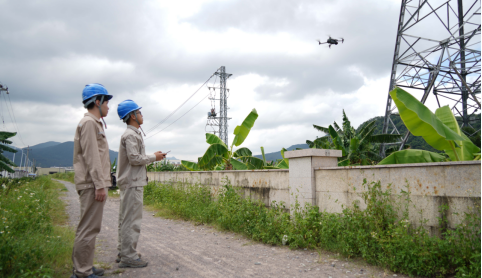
31 242
381 233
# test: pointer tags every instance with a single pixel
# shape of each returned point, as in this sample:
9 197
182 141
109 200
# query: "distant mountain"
50 154
44 145
277 155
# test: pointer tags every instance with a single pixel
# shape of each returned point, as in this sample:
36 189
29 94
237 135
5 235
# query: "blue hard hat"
92 90
126 107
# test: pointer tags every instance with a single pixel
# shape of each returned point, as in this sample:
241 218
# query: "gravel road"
176 248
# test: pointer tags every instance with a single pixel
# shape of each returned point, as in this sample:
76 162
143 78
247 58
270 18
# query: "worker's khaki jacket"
132 160
91 155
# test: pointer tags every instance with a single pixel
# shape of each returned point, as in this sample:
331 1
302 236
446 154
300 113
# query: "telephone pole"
28 148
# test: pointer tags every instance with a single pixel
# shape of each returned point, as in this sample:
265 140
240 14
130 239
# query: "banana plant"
439 130
357 147
219 156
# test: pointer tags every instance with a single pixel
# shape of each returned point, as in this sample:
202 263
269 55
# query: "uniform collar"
134 128
92 116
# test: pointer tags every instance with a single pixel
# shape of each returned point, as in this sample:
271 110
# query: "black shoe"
98 271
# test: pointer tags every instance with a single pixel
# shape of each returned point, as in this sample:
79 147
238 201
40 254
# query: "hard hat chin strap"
135 114
100 111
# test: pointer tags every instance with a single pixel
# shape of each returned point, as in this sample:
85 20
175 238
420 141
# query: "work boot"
118 259
132 263
90 276
98 271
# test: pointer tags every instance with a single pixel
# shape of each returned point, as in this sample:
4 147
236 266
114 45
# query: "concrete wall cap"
313 152
432 164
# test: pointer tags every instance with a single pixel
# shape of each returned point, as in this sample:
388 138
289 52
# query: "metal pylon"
437 55
220 119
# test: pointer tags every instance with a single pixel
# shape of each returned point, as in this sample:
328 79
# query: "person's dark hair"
92 104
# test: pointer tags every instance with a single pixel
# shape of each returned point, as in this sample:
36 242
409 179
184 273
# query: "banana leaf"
242 131
253 162
282 165
420 121
270 167
264 157
213 139
287 162
212 164
466 148
412 156
238 165
213 150
191 166
242 152
322 129
311 144
337 140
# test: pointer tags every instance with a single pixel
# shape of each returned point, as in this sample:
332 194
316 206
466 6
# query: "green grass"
381 234
35 240
69 176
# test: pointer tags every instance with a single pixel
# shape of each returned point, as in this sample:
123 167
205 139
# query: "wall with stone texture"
431 185
265 185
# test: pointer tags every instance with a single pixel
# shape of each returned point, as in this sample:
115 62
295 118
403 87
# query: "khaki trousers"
130 218
89 226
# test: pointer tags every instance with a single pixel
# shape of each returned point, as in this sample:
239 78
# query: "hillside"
277 155
52 154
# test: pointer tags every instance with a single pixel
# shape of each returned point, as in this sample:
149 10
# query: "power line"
15 121
168 116
180 117
10 116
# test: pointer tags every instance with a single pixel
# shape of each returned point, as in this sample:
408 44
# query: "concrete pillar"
302 174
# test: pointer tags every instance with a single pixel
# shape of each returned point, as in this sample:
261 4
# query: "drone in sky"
331 41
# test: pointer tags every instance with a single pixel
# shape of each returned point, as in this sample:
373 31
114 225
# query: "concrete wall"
265 185
431 185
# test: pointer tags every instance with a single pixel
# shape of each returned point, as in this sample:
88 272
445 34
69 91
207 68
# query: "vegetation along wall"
432 186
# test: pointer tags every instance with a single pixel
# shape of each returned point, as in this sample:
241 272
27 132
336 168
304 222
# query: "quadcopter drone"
331 41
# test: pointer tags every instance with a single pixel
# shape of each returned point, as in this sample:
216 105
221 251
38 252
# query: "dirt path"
180 249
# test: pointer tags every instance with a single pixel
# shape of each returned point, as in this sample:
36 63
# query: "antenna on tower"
215 118
437 53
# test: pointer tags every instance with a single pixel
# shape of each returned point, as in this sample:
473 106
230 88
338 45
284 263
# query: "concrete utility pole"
28 148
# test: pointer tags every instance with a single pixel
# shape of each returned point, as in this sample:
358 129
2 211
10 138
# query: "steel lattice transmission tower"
437 57
221 119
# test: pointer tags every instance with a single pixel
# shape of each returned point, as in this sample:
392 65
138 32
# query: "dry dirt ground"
176 248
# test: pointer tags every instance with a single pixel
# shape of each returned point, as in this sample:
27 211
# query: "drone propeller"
342 40
319 42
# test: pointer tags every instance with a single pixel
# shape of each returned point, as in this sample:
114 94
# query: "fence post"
302 174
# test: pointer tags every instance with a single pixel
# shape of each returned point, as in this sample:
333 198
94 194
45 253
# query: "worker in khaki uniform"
131 179
92 176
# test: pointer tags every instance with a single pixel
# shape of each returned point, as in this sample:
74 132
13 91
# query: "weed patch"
381 233
68 176
34 238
